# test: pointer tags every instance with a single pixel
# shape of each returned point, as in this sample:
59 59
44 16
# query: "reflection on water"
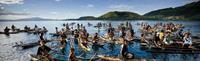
8 53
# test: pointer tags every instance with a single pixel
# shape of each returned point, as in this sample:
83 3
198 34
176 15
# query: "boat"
84 48
14 32
108 58
54 34
38 58
172 48
29 45
27 30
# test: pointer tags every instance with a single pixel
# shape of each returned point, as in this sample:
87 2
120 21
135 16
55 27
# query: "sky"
70 9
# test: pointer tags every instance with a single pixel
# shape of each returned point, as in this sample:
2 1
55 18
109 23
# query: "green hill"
189 11
87 18
123 15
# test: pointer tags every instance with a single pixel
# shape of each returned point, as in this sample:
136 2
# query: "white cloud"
57 0
11 1
90 6
12 13
7 15
13 17
121 7
54 12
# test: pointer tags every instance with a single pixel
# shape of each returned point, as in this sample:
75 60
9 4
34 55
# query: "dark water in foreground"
8 53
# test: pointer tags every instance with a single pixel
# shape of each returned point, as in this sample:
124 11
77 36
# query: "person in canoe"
43 50
180 33
26 28
72 56
63 35
187 40
76 35
67 27
78 26
13 27
124 51
156 38
63 44
83 36
143 39
130 35
122 31
110 35
97 43
56 30
41 35
161 37
6 30
130 26
36 27
44 30
167 38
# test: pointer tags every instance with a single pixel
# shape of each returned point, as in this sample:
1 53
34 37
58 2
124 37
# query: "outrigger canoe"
9 32
173 48
99 57
38 58
37 31
107 58
29 45
84 48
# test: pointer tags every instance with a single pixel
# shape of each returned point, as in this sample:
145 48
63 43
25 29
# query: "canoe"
33 57
84 48
175 50
29 45
107 58
26 30
9 33
175 47
171 49
38 58
37 31
54 34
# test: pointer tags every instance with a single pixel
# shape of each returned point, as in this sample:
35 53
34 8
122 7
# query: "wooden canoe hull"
9 33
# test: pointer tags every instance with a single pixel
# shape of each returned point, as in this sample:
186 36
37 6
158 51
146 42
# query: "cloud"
90 6
12 13
54 12
120 7
57 0
11 1
6 15
13 17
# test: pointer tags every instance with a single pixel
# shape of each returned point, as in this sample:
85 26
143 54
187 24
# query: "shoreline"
95 20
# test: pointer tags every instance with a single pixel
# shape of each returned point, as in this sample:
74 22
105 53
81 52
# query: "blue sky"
65 9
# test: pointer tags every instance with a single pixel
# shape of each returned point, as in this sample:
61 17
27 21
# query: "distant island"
189 11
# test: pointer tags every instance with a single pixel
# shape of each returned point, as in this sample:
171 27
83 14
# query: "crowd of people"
159 34
84 39
163 34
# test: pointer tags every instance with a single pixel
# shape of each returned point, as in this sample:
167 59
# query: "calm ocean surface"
9 53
